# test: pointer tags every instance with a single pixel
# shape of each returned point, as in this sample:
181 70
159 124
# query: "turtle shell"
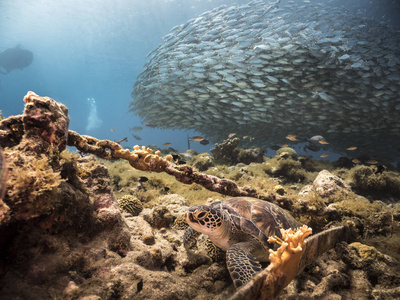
256 217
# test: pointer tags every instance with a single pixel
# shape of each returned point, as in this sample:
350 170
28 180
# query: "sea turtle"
240 226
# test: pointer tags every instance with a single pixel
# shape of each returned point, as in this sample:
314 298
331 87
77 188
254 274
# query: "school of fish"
266 70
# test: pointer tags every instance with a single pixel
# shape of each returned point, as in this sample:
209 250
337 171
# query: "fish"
324 155
302 71
356 161
351 148
142 179
292 137
284 145
372 161
323 142
137 137
15 58
125 139
316 139
204 142
231 135
112 130
136 128
197 138
167 144
245 137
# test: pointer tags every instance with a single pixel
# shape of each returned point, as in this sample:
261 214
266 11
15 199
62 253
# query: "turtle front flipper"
241 263
189 238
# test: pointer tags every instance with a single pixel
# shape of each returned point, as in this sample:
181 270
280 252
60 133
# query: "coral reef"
131 204
367 181
286 152
203 161
228 152
62 235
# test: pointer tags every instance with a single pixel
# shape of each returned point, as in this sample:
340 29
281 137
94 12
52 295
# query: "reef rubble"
64 236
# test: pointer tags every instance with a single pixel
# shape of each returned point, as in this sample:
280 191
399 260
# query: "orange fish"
324 155
351 148
284 145
245 137
167 144
291 137
323 142
356 161
197 138
372 161
231 135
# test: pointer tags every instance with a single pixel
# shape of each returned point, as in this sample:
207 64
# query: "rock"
148 239
286 152
326 184
203 161
228 152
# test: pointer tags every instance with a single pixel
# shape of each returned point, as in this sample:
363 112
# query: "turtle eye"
201 215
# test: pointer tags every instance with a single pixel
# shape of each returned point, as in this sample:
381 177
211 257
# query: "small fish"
292 137
125 139
284 145
355 161
150 124
231 135
324 155
136 128
204 142
245 137
351 148
142 179
167 144
323 142
372 161
112 129
197 138
137 137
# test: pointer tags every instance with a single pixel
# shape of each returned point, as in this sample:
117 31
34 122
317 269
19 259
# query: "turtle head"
204 219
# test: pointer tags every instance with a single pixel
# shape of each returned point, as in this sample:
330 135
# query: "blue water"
92 50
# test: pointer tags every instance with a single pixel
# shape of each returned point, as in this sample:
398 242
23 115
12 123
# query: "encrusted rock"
286 152
203 161
326 184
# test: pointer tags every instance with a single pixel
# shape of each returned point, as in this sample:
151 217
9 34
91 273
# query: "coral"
287 168
180 223
228 152
286 152
367 181
203 161
247 156
32 185
365 252
159 217
131 204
